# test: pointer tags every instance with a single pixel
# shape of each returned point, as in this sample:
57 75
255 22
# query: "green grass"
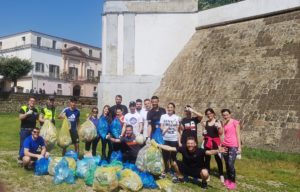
258 170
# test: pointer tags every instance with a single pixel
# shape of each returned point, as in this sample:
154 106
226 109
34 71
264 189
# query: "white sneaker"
222 179
208 179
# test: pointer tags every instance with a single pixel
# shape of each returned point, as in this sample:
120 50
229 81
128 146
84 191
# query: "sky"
78 20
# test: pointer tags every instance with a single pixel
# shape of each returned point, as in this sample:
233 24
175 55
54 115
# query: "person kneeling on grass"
129 147
30 149
192 163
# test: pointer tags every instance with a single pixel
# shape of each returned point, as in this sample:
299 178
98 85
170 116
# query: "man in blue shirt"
72 114
33 148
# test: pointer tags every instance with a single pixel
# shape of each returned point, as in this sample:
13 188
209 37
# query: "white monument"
140 39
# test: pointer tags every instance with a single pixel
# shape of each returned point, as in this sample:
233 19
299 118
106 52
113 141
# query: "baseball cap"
132 104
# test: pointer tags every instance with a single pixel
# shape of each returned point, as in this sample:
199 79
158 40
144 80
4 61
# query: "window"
38 41
95 88
65 45
90 74
39 67
24 38
99 73
0 44
100 55
73 71
58 86
54 71
59 92
53 44
90 53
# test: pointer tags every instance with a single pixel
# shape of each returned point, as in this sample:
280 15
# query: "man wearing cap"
134 119
48 113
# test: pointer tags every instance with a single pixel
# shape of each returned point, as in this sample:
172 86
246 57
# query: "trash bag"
150 159
41 166
52 164
116 165
103 163
115 128
116 156
87 131
63 173
157 136
72 154
103 127
130 181
105 179
49 133
71 163
64 137
82 166
89 177
165 185
148 180
96 159
130 166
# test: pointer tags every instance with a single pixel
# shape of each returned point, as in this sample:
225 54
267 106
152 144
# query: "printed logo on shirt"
190 126
72 118
132 121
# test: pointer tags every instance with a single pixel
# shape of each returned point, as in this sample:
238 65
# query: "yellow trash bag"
49 133
150 159
165 185
105 179
64 137
87 131
55 160
130 181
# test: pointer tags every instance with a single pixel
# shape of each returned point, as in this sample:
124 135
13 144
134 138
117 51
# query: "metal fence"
207 4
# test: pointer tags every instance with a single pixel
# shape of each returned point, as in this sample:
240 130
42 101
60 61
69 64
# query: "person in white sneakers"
134 119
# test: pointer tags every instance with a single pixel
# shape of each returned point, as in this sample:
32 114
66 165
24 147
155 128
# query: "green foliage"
207 4
14 68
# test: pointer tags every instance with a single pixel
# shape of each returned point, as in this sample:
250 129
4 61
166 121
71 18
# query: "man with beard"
118 104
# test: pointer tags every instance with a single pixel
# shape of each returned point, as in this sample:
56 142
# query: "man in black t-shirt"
28 115
192 163
118 104
153 116
129 147
189 124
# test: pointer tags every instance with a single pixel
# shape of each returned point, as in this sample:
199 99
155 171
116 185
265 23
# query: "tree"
14 68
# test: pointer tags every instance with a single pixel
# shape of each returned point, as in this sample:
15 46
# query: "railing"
207 4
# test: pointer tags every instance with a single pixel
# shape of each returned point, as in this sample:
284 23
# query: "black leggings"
218 161
94 144
168 156
110 147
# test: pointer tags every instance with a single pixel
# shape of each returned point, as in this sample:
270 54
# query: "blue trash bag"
157 136
103 163
63 173
148 180
72 154
116 156
41 166
83 166
115 128
130 166
97 158
103 127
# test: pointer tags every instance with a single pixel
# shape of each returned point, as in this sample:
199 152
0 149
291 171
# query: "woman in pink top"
232 141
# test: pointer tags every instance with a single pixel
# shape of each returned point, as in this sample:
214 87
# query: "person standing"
118 100
28 115
169 124
153 116
144 112
232 142
212 141
134 119
72 114
105 118
94 119
120 118
189 124
49 112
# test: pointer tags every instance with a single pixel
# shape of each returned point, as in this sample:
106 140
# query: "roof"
52 36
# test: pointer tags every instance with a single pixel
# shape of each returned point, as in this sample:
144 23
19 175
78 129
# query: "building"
61 66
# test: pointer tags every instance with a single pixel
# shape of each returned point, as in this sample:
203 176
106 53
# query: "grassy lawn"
258 170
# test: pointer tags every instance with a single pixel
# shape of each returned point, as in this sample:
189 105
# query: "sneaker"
204 185
231 185
162 176
226 183
222 179
177 180
208 179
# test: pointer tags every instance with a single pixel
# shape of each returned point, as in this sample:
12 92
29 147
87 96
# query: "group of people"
144 118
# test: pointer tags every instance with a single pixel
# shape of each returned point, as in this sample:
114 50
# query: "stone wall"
11 102
250 67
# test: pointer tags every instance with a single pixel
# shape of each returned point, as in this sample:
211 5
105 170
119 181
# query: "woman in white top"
169 123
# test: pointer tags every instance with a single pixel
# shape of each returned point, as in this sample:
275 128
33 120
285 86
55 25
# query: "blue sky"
78 20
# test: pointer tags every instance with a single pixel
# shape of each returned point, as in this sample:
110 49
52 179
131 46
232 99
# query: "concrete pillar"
129 44
111 44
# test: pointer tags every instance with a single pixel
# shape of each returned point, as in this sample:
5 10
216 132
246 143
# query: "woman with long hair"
103 127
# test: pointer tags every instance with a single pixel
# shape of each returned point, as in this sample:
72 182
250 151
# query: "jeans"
24 132
229 158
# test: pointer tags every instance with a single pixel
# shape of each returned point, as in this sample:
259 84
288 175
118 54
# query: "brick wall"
250 67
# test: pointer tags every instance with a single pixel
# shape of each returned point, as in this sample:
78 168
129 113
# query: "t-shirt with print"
133 119
30 120
153 117
189 128
144 113
171 122
73 117
32 145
